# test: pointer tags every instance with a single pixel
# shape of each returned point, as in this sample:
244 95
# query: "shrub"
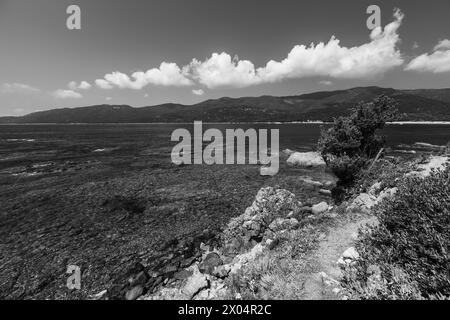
351 141
410 246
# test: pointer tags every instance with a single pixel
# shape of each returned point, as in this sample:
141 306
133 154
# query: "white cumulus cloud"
66 94
324 59
436 62
83 85
168 74
18 88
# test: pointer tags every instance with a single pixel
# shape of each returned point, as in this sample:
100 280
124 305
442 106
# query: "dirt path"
339 238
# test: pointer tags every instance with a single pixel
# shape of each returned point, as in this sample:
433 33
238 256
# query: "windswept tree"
351 142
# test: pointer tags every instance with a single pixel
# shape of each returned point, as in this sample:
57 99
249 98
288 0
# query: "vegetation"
406 256
352 141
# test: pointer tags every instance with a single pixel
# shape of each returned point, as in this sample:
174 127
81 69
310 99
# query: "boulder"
325 192
194 284
268 171
319 208
134 293
211 261
306 159
350 254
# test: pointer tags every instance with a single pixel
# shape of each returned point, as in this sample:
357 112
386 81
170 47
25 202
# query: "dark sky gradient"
36 48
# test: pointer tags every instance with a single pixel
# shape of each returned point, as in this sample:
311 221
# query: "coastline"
243 122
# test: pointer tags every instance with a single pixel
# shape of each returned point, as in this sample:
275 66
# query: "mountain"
414 105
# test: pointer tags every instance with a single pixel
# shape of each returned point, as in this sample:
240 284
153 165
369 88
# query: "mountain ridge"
414 105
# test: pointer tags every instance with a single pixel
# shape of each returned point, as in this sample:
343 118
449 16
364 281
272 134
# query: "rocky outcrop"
306 159
247 230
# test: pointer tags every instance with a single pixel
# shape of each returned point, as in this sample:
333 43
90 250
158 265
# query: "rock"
319 208
310 181
221 272
268 171
183 274
325 192
305 210
375 188
288 152
194 284
134 293
351 254
386 194
140 279
363 202
329 184
306 159
211 261
247 229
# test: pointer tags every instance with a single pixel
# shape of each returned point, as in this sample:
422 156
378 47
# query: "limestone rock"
319 208
211 261
194 284
134 293
306 159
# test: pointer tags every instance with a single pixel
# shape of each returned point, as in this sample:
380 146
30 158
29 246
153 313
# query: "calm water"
132 136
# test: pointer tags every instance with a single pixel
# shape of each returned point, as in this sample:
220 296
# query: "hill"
414 105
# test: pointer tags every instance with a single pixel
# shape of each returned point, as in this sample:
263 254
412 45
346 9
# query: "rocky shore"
260 234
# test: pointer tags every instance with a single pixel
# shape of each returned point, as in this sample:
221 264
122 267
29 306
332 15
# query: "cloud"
84 85
198 92
444 44
436 62
324 59
18 88
168 74
103 84
326 82
66 94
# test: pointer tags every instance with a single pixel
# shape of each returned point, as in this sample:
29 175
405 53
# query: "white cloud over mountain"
436 62
168 74
329 59
66 94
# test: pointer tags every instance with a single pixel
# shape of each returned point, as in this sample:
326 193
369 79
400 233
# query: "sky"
143 53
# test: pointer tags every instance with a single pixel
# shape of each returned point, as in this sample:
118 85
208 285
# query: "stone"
306 159
288 152
211 261
310 181
194 284
305 210
221 272
325 192
134 293
140 279
375 188
329 184
268 171
385 194
363 202
351 254
319 208
183 274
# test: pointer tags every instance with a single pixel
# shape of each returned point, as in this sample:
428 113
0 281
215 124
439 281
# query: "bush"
351 141
410 246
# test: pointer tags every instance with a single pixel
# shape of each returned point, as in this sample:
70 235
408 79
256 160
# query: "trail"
340 237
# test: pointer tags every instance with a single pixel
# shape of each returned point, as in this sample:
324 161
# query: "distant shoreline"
243 122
